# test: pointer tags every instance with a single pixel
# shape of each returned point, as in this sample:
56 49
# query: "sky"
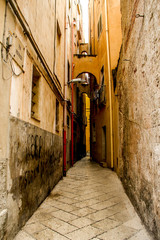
85 18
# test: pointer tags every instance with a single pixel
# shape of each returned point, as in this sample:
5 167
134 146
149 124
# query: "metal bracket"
139 15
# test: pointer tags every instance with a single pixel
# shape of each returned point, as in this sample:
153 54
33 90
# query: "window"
100 26
102 90
69 4
68 71
94 132
102 75
58 31
35 94
98 30
100 23
68 121
57 115
102 69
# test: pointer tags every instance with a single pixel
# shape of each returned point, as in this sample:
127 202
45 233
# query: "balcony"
102 96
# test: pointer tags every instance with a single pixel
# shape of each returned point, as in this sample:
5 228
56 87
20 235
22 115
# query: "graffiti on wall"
36 157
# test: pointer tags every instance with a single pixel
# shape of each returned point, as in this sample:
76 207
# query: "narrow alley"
89 203
79 78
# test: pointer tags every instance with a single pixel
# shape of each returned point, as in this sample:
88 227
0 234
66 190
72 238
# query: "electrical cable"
6 79
11 68
4 30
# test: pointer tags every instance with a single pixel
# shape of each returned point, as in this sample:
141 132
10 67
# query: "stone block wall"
139 108
35 166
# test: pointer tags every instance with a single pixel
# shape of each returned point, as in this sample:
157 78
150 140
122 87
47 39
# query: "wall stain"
35 167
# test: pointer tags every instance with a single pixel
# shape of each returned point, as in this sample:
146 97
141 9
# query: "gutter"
28 33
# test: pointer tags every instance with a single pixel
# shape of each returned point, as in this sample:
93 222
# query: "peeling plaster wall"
35 167
4 114
30 149
139 108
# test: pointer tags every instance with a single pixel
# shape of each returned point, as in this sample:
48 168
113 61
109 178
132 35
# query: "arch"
86 64
87 88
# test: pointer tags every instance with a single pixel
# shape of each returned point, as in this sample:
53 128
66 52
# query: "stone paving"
89 203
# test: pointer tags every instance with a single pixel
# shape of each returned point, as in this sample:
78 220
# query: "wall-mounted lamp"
79 80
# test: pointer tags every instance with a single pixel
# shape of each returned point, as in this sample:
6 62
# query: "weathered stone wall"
4 113
139 108
35 166
68 154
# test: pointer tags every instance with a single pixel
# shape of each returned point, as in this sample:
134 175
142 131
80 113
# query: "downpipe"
109 79
72 89
72 116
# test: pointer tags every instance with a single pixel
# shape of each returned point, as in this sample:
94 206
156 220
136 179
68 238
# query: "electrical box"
18 51
9 41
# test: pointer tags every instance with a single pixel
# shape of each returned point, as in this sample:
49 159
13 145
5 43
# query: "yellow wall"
99 47
88 124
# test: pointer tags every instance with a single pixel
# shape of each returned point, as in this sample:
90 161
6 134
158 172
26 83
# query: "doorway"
104 144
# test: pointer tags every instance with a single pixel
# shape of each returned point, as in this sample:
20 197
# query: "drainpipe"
89 15
65 93
55 24
93 28
109 78
72 116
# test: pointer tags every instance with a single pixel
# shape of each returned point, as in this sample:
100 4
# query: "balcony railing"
102 96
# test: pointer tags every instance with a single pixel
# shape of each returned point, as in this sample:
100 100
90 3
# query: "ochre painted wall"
98 46
88 124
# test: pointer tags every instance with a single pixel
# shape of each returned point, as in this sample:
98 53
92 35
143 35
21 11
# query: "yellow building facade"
88 125
102 57
105 42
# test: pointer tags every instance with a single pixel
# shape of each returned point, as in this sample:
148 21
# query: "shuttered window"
35 100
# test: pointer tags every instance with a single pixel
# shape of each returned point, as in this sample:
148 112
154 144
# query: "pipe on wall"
65 94
72 88
55 27
94 29
109 79
72 116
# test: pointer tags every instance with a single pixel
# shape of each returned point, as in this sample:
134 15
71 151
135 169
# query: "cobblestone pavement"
89 203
